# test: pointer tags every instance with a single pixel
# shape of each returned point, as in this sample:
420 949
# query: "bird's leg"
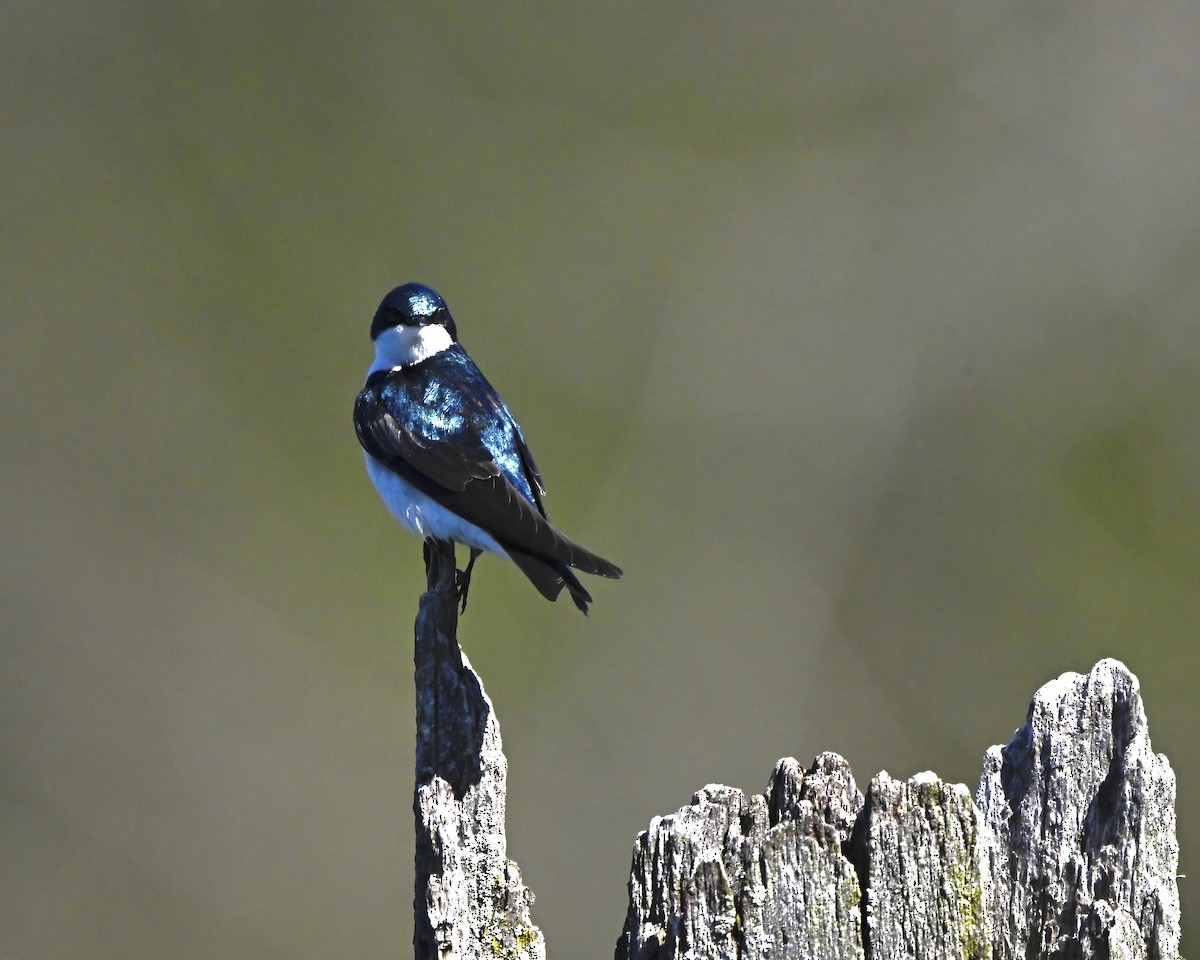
462 579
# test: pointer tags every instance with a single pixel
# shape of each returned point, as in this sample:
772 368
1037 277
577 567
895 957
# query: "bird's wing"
528 466
450 466
461 474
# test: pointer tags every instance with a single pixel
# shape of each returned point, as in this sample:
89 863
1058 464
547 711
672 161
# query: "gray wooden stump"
470 901
1067 849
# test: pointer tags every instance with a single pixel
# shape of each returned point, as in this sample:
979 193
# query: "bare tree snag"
470 902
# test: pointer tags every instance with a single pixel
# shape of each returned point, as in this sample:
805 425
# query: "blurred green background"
865 337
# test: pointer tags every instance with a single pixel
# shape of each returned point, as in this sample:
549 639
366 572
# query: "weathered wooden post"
469 902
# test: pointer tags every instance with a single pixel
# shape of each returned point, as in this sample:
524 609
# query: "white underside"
422 515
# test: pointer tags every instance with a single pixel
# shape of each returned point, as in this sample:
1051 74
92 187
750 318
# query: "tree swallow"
447 456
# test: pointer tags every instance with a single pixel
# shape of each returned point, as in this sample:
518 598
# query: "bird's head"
411 324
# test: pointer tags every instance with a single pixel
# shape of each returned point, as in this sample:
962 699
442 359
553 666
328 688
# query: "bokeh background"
866 337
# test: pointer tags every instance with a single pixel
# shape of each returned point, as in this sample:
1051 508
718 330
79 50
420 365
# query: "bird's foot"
462 579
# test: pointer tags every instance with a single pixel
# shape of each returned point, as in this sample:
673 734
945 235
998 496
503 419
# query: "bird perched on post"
447 456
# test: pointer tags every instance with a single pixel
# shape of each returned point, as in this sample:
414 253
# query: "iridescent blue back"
446 399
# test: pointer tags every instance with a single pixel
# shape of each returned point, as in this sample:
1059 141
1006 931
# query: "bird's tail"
551 578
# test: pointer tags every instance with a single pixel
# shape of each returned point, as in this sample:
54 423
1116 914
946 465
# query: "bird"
447 456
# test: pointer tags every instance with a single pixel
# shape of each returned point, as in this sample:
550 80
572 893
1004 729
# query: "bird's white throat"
403 345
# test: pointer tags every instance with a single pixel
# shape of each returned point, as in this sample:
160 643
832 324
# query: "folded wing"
458 470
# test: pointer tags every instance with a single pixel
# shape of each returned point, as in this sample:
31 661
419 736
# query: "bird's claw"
462 580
